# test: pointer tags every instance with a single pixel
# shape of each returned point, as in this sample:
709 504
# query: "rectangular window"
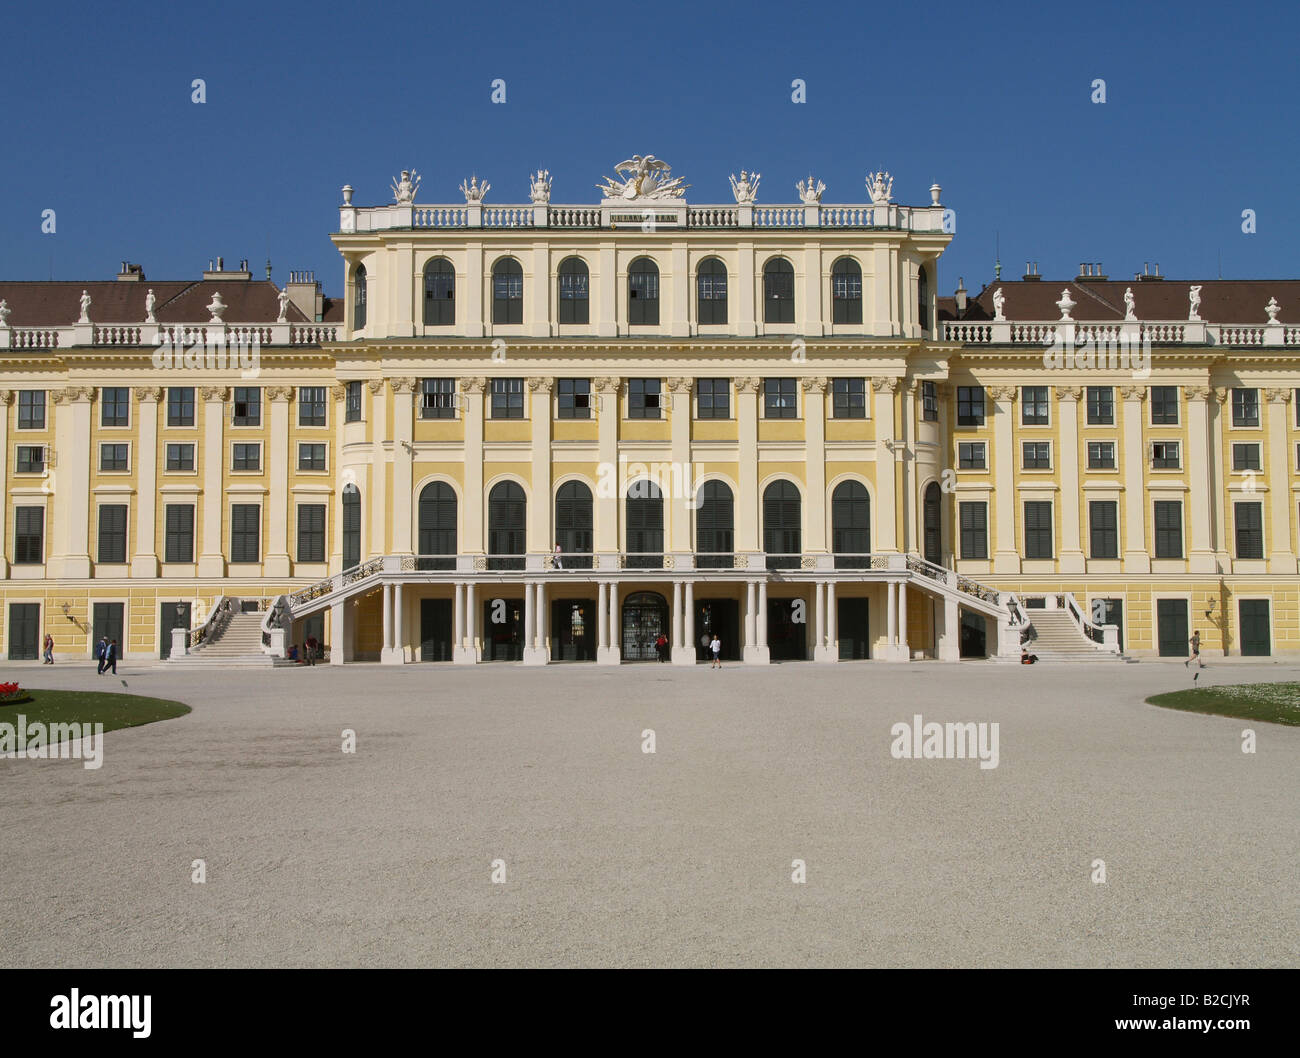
711 286
245 532
848 398
180 457
115 406
180 406
1038 529
31 409
311 405
846 294
1246 456
112 533
29 536
178 545
1103 526
970 405
507 398
247 457
1249 521
1164 405
971 456
31 459
1101 405
929 402
974 519
1036 455
1165 455
1034 406
438 398
780 398
575 299
643 296
1245 407
113 457
352 407
311 457
1101 455
311 532
1169 529
713 398
643 397
573 398
247 406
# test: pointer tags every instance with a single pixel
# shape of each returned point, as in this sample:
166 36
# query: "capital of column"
539 383
339 391
1278 396
375 385
747 385
1007 393
815 384
213 393
1198 392
280 393
147 393
1070 393
6 395
403 384
608 385
73 395
680 385
473 384
1138 393
884 385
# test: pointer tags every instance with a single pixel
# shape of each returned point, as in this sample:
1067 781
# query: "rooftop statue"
1065 305
474 192
149 302
1272 308
999 302
1130 312
1193 303
85 307
746 188
540 187
810 194
4 313
404 189
283 299
644 177
881 187
216 306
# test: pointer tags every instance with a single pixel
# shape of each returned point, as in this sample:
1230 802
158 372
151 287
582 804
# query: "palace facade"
559 433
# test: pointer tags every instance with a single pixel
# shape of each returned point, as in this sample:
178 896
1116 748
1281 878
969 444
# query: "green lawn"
89 707
1273 703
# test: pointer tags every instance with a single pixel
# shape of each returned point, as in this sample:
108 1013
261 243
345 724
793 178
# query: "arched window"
359 300
782 525
507 291
507 514
846 291
643 292
923 298
645 525
932 524
711 292
439 293
351 526
437 538
715 524
573 525
575 293
851 525
778 291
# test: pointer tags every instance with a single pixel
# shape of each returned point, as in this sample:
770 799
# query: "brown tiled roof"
58 303
332 311
1233 301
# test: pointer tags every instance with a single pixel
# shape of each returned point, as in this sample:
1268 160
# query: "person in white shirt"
716 648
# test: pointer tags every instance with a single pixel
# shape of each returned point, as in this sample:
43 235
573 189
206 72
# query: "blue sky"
991 102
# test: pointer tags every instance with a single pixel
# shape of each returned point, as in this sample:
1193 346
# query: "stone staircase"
239 644
1058 639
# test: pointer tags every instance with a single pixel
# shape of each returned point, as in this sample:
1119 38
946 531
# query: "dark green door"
170 615
573 629
435 629
24 631
853 628
1171 628
787 629
503 629
723 617
974 635
1256 641
106 620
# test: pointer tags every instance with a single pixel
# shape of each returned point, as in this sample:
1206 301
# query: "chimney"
131 273
960 296
1147 274
220 271
1091 271
305 293
1031 272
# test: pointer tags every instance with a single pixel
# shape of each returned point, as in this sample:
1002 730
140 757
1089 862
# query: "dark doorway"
645 616
435 629
503 629
24 631
573 630
787 629
1111 612
974 635
1256 642
852 618
723 617
931 524
313 626
1171 628
170 615
106 620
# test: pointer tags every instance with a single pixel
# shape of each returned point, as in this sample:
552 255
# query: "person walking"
311 650
661 647
716 647
110 656
1195 642
49 649
101 652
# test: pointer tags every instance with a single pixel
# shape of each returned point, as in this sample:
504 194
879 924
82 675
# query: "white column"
402 429
1067 459
1006 554
885 531
1281 500
751 604
543 625
904 653
762 654
387 651
814 510
471 624
530 624
340 633
891 625
748 514
475 539
534 624
399 627
602 617
611 653
690 621
144 553
540 535
1201 555
458 635
682 652
1136 559
212 562
607 506
276 562
377 502
6 396
950 640
820 652
832 624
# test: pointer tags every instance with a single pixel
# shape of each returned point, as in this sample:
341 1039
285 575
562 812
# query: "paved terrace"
615 857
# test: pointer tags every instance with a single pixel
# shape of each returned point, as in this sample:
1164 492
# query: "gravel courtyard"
616 857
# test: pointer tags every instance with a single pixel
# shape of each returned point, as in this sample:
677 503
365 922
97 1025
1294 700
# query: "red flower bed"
9 690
